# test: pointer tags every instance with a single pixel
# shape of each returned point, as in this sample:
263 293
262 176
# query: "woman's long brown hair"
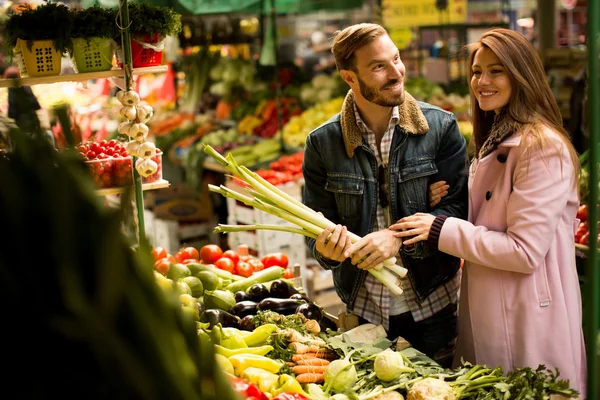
531 102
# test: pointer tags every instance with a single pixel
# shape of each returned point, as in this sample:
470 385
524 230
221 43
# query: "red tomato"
256 264
225 264
235 257
158 253
289 274
583 212
162 265
210 253
189 260
275 259
185 253
243 269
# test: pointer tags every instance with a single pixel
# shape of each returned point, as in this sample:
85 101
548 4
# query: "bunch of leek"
268 198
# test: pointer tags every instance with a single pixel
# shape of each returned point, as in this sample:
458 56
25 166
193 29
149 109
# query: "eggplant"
247 323
310 311
300 296
280 306
215 316
258 292
241 296
244 308
201 308
281 289
326 323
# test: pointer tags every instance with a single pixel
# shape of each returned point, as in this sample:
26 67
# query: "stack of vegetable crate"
263 242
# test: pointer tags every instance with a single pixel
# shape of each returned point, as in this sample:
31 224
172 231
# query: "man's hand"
373 249
332 242
437 190
416 227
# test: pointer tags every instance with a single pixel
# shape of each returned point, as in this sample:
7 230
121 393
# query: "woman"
520 303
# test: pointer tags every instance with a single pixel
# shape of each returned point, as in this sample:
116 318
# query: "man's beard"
374 96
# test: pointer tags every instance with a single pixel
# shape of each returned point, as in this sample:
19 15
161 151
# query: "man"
371 165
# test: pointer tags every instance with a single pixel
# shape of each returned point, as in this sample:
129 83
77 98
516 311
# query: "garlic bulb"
130 98
133 148
124 127
138 132
146 168
146 150
128 112
144 113
120 95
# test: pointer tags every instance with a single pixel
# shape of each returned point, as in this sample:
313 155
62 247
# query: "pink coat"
520 301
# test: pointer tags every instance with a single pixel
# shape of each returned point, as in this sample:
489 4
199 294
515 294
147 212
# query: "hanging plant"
148 20
95 21
48 21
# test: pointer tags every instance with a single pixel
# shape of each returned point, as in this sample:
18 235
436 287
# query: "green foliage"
48 21
147 19
95 21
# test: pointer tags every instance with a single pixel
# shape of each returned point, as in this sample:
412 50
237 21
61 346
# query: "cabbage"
340 376
389 365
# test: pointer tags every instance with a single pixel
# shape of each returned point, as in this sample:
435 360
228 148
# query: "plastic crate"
93 54
42 59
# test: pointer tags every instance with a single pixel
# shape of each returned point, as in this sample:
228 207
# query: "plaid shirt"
373 298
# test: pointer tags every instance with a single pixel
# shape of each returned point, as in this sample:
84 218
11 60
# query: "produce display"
582 235
275 343
283 170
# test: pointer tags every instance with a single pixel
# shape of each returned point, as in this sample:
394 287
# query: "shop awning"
197 7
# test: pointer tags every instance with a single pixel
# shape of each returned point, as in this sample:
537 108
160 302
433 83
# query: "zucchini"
197 267
266 275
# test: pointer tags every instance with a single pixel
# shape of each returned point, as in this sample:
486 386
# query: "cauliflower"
393 395
431 389
389 365
340 376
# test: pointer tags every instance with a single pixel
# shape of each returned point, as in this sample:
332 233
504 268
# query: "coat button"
502 158
488 195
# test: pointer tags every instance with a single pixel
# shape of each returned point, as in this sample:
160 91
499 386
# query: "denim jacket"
340 174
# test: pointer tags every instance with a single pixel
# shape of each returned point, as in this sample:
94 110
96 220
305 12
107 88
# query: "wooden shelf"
78 77
146 186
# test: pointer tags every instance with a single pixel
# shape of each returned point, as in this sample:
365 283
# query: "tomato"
289 274
225 264
243 269
158 253
162 265
275 259
585 238
185 253
583 212
256 264
189 260
210 253
235 257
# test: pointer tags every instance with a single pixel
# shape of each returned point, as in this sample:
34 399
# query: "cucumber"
197 267
266 275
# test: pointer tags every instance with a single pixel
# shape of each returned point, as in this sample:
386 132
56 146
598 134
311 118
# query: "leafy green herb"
48 21
295 321
147 19
95 21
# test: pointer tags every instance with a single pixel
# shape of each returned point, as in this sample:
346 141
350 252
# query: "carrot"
312 369
322 353
313 361
310 378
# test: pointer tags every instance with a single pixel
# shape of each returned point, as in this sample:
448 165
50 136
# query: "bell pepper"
261 351
259 336
288 384
233 342
247 390
242 361
290 396
265 380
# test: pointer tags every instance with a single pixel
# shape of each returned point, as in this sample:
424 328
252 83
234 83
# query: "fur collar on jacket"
504 126
411 120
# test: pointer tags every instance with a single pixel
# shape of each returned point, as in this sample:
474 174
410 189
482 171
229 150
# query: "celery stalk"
222 228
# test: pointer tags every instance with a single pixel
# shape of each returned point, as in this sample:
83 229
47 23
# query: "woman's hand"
437 190
416 227
332 242
373 249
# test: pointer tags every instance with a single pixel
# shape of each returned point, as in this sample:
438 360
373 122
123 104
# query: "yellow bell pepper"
259 336
242 361
264 379
261 351
288 384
